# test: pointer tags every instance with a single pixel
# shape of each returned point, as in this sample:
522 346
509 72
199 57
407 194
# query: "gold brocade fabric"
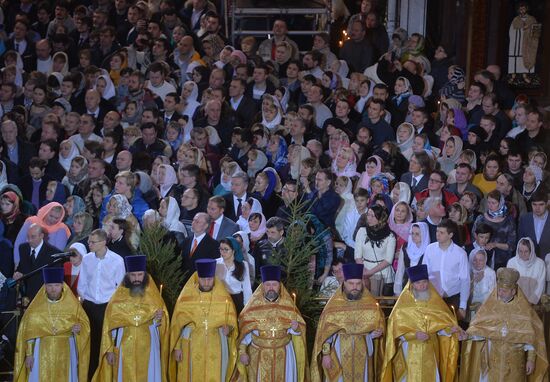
267 351
134 315
508 325
352 321
205 313
423 357
53 324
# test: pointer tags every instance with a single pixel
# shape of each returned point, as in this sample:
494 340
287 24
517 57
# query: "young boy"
482 237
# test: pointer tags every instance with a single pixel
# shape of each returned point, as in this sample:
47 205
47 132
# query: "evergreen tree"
162 263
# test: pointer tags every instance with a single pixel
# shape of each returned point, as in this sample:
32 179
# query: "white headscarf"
80 248
532 272
171 221
413 251
170 178
109 91
66 162
3 175
65 69
256 207
192 103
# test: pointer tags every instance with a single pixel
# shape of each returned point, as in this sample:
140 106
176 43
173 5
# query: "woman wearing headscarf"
119 207
104 85
73 205
405 138
257 161
11 215
83 225
71 268
189 95
249 207
457 118
532 270
50 218
400 101
266 189
257 225
345 163
503 239
7 265
343 187
67 152
375 249
233 270
212 45
277 151
411 254
401 192
78 172
60 57
415 102
450 153
272 114
454 88
380 189
483 281
169 212
532 178
167 178
373 167
296 154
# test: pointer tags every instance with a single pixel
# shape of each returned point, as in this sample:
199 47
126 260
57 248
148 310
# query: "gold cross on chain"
205 322
272 330
136 319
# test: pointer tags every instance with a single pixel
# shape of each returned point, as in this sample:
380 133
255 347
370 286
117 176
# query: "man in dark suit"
244 106
198 246
14 149
170 114
418 174
22 45
239 185
34 254
536 224
37 179
94 105
221 226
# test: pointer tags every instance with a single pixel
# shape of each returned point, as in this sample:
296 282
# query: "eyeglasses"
225 249
94 242
288 189
434 180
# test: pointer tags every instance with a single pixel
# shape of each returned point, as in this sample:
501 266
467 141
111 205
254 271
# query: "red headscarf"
40 219
12 197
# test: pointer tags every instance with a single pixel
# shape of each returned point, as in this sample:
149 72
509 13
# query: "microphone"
62 254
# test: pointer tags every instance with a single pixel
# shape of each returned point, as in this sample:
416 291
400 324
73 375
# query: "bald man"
43 56
124 161
34 254
185 54
96 106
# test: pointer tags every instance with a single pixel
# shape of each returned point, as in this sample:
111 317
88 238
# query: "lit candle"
295 309
161 286
340 43
454 312
226 311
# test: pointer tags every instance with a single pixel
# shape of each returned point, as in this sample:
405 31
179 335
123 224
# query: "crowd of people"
120 116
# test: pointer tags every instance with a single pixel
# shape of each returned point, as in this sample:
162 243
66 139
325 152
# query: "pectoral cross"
504 331
272 330
205 322
136 319
54 330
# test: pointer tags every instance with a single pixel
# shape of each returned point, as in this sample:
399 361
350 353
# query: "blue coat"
139 206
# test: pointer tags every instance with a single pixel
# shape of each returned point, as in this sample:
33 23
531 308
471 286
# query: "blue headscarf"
280 160
272 183
236 248
78 206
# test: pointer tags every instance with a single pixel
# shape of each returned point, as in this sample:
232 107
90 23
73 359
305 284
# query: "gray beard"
271 296
422 296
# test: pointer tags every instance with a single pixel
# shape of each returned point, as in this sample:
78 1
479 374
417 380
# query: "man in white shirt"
521 120
85 131
448 268
43 56
157 83
101 273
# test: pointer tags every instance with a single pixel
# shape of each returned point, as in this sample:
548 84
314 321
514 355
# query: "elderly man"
506 337
53 342
134 341
272 334
421 340
222 122
349 340
203 332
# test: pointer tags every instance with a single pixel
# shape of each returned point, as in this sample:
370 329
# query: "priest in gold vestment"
53 342
506 337
349 343
203 332
272 334
422 334
134 342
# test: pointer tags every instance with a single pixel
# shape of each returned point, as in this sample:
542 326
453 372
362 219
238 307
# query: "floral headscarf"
122 205
280 160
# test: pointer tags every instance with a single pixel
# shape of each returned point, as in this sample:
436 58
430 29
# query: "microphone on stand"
62 254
